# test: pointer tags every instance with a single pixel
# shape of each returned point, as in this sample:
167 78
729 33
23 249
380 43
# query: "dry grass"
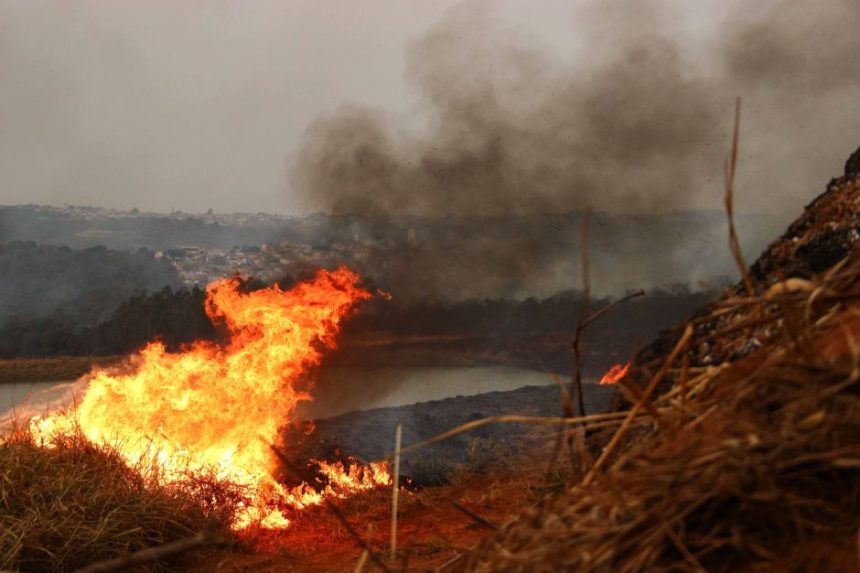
726 464
72 503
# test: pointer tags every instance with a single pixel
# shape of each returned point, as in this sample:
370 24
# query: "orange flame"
216 408
615 374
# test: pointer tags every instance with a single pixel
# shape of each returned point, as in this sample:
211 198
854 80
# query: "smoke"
796 53
511 131
636 125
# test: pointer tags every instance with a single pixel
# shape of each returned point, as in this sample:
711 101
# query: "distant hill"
82 227
81 286
457 258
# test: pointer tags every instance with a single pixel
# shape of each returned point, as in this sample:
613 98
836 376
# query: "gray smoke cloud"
636 125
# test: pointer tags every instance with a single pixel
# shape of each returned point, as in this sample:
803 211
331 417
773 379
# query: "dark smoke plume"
637 126
510 132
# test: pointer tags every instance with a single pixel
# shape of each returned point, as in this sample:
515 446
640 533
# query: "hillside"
740 450
420 258
86 285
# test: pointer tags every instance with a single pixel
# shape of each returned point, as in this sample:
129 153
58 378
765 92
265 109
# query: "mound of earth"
824 234
740 447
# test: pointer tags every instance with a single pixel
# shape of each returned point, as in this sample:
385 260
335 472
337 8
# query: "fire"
615 374
217 408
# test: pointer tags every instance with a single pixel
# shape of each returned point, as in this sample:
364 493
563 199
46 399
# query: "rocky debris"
824 234
852 166
747 458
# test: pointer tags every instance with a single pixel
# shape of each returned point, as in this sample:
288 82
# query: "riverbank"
17 370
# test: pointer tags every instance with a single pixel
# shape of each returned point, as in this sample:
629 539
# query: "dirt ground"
493 471
431 533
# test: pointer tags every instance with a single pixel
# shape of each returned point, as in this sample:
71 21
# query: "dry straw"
742 439
749 460
750 445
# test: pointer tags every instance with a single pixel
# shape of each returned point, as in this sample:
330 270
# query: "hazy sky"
203 104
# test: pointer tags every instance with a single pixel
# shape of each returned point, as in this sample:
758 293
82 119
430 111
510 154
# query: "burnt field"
369 434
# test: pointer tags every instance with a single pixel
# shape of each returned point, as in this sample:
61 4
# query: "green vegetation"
50 295
41 280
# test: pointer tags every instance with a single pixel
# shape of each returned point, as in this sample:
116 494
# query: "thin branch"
152 554
680 546
611 306
580 321
475 517
394 495
359 566
509 419
731 170
631 415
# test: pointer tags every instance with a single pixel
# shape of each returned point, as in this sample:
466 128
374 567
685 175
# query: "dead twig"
359 566
580 321
395 491
604 455
731 170
511 419
152 554
611 306
474 516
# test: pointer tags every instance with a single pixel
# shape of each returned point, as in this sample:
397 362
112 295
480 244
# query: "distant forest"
177 317
56 301
76 286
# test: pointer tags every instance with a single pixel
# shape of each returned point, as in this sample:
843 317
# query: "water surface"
31 398
337 391
345 389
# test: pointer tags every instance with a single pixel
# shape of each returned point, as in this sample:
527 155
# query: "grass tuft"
70 503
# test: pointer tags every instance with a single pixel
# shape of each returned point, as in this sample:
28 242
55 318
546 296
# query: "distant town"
512 256
268 263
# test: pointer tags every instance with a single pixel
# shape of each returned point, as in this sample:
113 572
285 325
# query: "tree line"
177 316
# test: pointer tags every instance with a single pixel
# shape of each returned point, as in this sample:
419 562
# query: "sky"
214 104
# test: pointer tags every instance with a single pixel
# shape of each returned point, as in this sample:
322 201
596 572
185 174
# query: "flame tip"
615 374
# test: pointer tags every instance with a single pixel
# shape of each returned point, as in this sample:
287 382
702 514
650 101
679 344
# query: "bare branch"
152 554
731 169
475 517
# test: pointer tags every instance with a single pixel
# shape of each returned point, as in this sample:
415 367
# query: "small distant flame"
615 374
216 408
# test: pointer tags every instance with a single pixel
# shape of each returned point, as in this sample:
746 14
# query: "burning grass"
431 528
69 503
217 407
175 443
746 463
